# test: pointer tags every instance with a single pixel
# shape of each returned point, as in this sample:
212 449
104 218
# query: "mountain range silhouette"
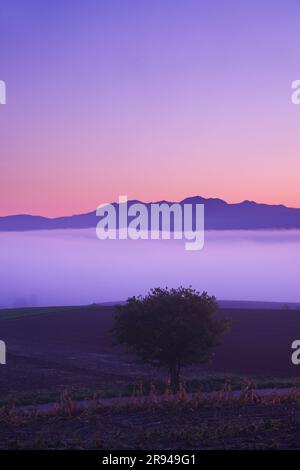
219 215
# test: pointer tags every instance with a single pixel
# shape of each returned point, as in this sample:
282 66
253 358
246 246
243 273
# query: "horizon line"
20 214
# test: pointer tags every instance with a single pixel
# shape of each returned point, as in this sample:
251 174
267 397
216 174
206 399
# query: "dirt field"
269 423
57 348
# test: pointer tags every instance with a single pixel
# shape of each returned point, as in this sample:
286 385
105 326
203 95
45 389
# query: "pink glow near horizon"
161 101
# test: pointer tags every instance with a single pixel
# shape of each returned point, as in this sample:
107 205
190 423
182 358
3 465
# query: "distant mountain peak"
219 215
250 203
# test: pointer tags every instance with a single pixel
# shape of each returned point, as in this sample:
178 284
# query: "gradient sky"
153 99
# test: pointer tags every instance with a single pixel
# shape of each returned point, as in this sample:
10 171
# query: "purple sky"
154 99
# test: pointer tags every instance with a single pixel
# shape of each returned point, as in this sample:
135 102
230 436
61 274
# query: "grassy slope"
12 313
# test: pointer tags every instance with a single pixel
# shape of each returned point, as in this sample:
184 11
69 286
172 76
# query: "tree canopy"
170 328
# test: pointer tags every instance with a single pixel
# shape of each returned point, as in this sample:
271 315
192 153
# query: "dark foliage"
170 328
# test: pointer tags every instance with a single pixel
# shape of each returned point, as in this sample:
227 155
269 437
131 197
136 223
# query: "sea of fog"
69 267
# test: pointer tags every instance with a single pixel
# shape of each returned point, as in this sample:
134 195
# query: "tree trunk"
175 376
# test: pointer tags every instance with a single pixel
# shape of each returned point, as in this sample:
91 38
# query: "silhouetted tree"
170 328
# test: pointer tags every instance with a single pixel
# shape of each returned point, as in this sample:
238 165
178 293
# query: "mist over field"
69 267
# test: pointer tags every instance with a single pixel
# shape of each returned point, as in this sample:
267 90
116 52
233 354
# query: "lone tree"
170 328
